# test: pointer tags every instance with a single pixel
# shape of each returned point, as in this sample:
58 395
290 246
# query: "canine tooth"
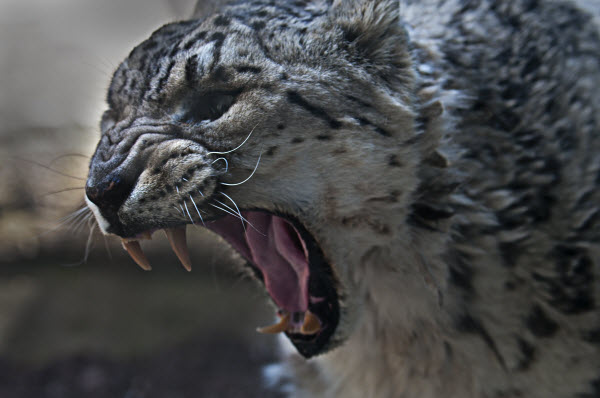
311 324
135 251
146 235
279 327
178 243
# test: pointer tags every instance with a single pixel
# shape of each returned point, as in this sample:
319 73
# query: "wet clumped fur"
434 165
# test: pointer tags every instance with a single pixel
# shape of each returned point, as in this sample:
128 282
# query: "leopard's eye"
207 106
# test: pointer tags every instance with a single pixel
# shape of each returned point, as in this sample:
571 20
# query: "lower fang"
311 324
279 327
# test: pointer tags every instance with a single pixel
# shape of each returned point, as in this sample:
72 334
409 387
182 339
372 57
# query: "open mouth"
289 262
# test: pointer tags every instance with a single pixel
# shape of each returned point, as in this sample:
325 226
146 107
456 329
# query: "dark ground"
215 368
106 329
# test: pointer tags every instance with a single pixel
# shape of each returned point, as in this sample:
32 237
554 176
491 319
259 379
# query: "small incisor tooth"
279 327
311 324
178 243
135 251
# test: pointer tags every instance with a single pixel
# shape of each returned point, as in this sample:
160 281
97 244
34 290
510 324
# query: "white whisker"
226 163
61 225
75 213
227 207
66 221
236 148
90 241
89 219
236 207
240 217
73 225
77 226
107 247
188 212
201 194
235 211
197 210
74 218
249 177
226 211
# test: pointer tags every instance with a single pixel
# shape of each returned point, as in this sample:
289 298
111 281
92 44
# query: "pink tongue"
279 252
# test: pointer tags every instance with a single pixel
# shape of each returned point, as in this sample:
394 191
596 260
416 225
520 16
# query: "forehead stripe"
297 99
191 66
219 39
194 39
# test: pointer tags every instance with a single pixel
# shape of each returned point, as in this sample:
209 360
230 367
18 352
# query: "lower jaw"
311 322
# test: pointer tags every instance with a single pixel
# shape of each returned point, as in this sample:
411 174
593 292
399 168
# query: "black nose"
109 193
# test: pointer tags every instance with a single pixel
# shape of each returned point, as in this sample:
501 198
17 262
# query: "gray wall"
56 60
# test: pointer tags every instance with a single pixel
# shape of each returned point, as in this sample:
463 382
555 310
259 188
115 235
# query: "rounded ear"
373 34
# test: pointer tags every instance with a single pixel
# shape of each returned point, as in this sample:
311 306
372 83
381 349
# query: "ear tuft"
371 31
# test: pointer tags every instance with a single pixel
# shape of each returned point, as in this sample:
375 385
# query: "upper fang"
178 243
135 251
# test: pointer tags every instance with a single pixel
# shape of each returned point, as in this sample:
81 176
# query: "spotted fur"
444 154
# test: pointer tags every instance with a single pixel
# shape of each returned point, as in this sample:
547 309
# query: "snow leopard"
414 183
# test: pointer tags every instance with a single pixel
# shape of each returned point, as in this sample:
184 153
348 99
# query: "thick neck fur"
451 306
401 342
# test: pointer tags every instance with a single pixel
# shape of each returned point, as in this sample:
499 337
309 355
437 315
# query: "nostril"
110 193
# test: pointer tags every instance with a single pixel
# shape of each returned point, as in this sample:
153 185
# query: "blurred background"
77 317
